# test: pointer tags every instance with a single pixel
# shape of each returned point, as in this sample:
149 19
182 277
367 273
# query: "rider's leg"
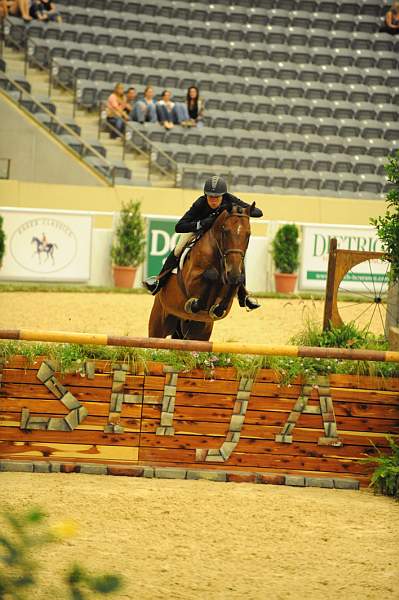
154 284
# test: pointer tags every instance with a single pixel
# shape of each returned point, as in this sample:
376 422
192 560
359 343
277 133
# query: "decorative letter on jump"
77 412
326 410
236 422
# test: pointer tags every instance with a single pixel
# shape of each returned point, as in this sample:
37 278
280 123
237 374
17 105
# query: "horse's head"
233 237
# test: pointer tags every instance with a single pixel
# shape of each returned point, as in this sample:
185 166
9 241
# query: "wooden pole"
328 303
197 346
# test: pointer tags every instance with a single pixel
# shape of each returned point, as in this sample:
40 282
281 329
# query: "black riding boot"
154 284
244 299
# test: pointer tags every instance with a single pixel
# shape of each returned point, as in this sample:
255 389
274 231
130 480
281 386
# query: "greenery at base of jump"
385 479
388 225
72 357
23 533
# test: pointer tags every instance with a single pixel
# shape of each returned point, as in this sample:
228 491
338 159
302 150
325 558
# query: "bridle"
223 253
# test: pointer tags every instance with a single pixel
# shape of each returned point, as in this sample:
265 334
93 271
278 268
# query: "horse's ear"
230 208
250 208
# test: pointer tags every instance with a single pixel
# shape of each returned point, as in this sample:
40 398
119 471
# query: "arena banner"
314 257
46 246
161 239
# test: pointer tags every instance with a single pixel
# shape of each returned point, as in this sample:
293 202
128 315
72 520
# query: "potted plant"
127 251
285 251
2 241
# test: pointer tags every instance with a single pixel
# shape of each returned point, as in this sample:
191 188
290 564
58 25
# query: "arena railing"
107 176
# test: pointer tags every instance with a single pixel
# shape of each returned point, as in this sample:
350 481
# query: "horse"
48 248
204 287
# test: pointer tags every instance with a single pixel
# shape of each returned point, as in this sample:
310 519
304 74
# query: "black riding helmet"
215 186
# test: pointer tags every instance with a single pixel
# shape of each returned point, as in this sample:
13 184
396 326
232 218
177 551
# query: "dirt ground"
127 314
197 540
193 540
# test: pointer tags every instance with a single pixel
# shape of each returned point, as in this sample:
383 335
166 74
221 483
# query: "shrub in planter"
127 251
285 251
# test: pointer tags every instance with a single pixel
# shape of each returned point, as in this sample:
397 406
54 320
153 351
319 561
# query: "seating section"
300 95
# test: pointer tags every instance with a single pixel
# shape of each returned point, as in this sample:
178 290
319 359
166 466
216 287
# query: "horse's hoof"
216 313
192 306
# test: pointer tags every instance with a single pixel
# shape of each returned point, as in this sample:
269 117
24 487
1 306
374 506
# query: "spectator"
4 8
166 110
50 9
144 110
20 8
391 25
130 98
37 11
195 107
116 115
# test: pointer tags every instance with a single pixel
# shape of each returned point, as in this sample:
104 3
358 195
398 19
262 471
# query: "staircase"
88 121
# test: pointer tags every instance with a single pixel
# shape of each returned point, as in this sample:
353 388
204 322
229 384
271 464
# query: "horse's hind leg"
161 324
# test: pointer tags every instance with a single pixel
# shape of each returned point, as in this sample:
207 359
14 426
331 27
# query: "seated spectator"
171 113
116 115
130 98
166 110
51 10
20 8
391 25
195 107
144 110
37 11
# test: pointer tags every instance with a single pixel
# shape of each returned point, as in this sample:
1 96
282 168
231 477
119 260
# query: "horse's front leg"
193 304
218 310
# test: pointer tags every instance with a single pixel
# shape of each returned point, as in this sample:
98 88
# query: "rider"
198 219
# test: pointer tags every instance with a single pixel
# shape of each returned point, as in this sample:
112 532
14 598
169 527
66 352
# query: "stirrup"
152 285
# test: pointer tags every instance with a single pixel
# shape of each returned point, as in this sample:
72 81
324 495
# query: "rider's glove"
206 223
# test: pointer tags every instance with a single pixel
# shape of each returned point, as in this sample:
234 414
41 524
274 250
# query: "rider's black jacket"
191 221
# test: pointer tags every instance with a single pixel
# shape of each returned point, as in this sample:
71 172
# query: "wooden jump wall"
163 418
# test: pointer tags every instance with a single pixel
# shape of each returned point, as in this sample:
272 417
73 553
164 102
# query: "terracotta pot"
124 276
285 282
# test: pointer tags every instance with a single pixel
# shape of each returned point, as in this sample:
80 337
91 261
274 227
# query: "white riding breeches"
184 239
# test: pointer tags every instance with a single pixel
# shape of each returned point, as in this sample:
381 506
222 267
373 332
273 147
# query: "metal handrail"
153 147
64 126
8 167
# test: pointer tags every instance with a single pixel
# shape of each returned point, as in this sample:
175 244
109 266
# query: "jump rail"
198 346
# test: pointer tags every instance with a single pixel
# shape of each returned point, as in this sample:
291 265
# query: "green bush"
128 246
2 241
285 249
388 225
385 479
21 535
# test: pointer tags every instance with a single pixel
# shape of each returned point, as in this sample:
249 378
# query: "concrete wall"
170 201
35 155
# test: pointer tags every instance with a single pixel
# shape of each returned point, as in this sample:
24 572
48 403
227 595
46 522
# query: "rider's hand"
207 222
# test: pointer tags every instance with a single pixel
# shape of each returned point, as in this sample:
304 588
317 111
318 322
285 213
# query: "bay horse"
203 290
